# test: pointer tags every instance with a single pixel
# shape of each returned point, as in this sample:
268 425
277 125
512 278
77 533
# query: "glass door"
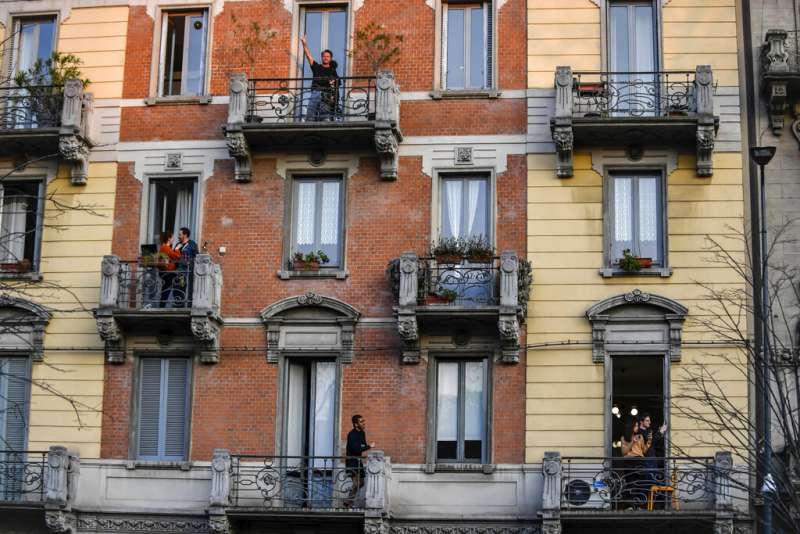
325 28
632 58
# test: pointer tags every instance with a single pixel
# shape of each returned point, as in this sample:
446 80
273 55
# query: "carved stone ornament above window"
23 326
310 324
636 322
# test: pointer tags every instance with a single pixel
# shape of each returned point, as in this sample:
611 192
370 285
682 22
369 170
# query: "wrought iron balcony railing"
613 484
285 482
463 283
22 476
295 100
633 94
30 108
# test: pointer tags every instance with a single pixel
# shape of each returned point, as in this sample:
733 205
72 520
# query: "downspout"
751 102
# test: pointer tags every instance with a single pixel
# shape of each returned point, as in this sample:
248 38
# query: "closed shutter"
163 408
13 403
176 408
149 403
489 43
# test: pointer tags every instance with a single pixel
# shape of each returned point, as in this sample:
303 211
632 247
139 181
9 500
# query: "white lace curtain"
636 200
307 210
462 216
183 209
12 228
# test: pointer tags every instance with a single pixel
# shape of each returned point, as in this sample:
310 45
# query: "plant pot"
306 266
448 258
646 263
481 258
435 299
16 267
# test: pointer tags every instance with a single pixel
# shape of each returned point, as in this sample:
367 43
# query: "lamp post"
762 155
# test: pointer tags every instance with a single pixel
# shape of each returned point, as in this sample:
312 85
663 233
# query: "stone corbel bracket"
561 124
205 322
407 325
61 481
775 62
387 123
508 322
73 145
238 148
707 123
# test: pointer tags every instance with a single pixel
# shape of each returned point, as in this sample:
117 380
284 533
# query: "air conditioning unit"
590 493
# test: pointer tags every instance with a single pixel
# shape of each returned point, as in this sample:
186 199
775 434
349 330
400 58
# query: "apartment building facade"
230 376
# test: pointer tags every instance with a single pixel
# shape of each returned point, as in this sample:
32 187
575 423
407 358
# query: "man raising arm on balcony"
322 104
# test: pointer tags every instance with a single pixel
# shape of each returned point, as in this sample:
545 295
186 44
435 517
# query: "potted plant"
448 250
21 266
41 87
629 263
374 49
310 261
443 296
477 249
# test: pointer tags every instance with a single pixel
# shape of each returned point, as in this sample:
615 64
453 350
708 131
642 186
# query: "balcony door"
34 42
633 57
325 28
172 205
638 388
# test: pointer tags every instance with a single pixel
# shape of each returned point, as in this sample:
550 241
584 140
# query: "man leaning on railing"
356 447
324 86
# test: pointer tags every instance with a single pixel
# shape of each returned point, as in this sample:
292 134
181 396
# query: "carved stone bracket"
706 121
206 333
387 148
565 144
561 125
551 473
508 324
723 464
60 480
59 521
72 143
408 329
220 479
219 523
705 149
387 123
238 147
75 150
776 63
375 485
375 525
777 104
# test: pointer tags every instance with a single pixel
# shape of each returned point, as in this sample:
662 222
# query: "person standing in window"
324 86
356 447
167 256
187 249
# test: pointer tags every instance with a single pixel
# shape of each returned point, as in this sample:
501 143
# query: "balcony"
780 76
135 298
285 115
465 295
37 485
635 110
581 490
254 488
47 120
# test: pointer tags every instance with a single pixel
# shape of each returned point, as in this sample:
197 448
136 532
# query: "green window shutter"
149 404
176 409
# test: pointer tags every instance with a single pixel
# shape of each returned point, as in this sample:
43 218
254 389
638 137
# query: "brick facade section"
234 402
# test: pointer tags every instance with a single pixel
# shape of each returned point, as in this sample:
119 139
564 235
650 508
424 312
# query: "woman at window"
166 264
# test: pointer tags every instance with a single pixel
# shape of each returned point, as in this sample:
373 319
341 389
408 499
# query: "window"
183 53
163 408
35 41
464 207
637 217
311 408
632 37
461 411
14 380
172 206
467 45
317 217
325 28
19 225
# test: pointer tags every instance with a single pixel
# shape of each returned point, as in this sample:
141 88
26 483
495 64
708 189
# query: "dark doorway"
637 388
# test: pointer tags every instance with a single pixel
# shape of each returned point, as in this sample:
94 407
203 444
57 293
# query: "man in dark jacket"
324 85
356 447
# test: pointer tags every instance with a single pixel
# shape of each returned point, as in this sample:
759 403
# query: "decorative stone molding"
144 524
551 526
606 313
408 329
56 478
387 123
706 121
238 147
219 524
551 473
59 521
723 465
561 126
72 143
341 316
375 525
779 67
462 528
376 474
508 322
220 478
27 321
407 325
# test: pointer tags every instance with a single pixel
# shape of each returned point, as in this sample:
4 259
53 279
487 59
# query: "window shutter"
149 403
489 43
175 424
444 47
14 404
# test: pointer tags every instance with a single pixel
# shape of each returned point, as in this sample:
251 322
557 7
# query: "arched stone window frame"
342 321
605 315
26 324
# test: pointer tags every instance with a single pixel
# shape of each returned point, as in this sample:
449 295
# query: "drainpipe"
755 238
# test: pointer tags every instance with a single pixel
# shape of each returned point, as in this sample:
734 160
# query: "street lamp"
762 155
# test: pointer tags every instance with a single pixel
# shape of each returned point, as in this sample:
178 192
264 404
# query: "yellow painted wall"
694 32
97 35
565 390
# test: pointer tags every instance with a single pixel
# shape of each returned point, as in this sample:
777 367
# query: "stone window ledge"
322 273
27 277
158 464
179 99
486 469
612 272
462 93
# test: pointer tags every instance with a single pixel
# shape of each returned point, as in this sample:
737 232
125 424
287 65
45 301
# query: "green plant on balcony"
447 295
448 250
524 282
43 83
375 48
629 263
310 261
478 249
